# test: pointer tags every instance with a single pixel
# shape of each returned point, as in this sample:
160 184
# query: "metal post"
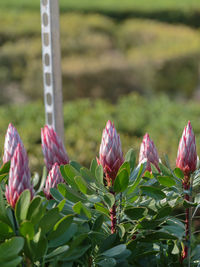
50 28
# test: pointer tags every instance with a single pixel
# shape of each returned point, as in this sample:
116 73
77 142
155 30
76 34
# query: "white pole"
50 28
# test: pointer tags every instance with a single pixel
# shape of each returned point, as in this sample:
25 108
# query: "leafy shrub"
184 11
100 56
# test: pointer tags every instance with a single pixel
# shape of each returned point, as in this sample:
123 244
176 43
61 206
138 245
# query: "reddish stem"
113 219
186 186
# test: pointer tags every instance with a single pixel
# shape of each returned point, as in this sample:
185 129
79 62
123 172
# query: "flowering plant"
116 212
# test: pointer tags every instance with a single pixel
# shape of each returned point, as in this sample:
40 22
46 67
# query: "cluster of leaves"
73 228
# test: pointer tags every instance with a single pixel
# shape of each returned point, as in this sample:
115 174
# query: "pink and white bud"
110 153
53 179
187 156
19 176
148 153
53 148
12 139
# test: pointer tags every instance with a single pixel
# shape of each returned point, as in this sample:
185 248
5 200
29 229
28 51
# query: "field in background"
133 116
179 11
99 56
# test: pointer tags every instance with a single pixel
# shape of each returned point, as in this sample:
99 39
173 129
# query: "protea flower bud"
19 176
110 153
53 179
53 148
187 156
148 153
12 138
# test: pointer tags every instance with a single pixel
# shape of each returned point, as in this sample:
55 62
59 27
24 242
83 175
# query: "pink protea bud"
19 176
110 153
12 138
53 148
148 153
187 156
53 179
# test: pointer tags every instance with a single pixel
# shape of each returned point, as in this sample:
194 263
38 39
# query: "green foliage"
171 11
73 228
99 56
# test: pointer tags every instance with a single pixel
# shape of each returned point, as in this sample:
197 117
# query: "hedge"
100 56
186 12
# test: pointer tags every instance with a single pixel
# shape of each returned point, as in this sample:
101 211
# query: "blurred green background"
133 61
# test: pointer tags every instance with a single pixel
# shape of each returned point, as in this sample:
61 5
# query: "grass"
107 5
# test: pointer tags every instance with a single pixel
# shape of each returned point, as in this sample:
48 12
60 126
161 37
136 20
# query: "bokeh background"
136 62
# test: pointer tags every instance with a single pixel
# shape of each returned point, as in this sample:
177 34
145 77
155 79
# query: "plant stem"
15 223
186 249
113 218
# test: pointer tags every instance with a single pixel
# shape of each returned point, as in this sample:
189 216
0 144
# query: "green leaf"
99 174
70 193
61 205
12 262
49 220
61 226
57 251
68 172
165 171
158 236
154 169
109 199
122 230
149 224
76 253
107 262
93 166
126 166
87 175
136 213
5 231
76 165
152 192
38 245
65 237
43 180
81 209
3 214
56 194
27 230
121 181
166 181
114 251
131 158
36 209
137 180
108 243
178 173
82 185
163 212
4 170
22 205
188 204
100 207
10 248
98 223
